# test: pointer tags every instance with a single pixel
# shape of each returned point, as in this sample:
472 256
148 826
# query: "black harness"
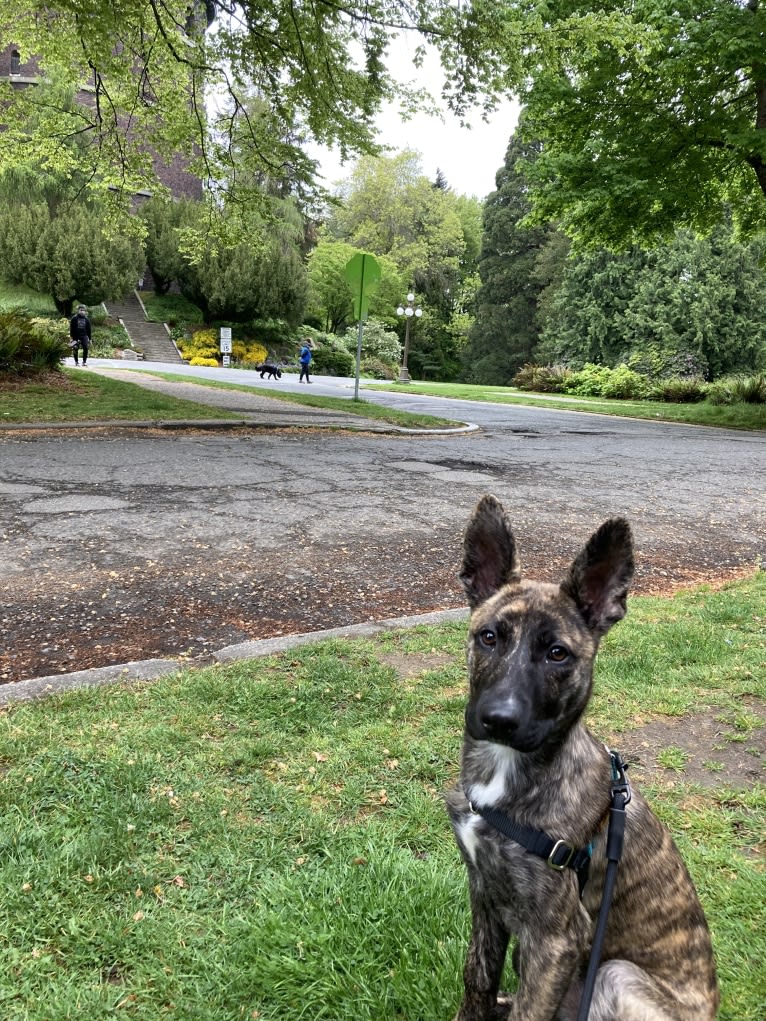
557 854
560 855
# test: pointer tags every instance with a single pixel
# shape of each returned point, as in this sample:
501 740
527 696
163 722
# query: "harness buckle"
560 865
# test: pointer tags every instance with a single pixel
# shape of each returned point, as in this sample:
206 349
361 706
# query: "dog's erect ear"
600 576
489 552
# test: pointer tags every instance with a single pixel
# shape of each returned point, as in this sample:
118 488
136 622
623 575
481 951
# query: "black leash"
621 795
560 855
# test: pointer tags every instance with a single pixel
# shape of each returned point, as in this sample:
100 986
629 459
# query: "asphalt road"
129 544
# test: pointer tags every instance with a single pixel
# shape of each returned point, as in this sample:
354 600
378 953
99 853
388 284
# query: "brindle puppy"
526 753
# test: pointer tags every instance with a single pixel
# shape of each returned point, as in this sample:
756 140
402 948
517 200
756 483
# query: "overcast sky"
469 158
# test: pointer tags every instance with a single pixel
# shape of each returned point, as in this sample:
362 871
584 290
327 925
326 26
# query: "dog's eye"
558 653
488 638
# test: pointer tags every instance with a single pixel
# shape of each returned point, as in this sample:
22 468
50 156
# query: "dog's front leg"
548 963
483 965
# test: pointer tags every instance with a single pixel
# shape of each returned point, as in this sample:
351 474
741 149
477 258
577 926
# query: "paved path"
254 408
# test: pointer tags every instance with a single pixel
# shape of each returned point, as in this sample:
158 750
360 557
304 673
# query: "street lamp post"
410 311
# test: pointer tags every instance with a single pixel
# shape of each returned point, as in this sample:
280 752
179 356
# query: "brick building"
26 73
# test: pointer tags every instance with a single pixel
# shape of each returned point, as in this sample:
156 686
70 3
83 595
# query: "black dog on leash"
269 369
528 760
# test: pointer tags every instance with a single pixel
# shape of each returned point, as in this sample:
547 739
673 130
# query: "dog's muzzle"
506 722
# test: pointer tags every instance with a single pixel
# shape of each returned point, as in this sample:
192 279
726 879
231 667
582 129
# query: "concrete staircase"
151 338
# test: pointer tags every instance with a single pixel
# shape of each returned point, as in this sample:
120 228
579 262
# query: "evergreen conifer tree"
506 330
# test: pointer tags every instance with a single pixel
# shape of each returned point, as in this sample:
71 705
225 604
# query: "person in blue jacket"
305 360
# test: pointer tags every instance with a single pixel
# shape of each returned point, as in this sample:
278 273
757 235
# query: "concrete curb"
269 646
367 425
56 684
153 669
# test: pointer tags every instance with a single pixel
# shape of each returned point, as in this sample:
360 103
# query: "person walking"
79 332
305 360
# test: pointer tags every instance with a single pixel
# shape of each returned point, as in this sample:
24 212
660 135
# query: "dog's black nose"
500 722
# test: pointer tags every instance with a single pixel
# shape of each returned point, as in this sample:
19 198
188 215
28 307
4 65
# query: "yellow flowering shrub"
249 351
204 348
203 344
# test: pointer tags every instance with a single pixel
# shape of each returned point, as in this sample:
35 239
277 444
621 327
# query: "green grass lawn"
88 397
345 404
267 839
735 416
79 396
14 296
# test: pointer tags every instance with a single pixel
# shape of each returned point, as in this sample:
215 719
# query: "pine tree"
586 318
506 330
163 218
67 256
690 307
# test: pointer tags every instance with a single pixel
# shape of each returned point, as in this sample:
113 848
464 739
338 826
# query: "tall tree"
244 283
146 70
330 298
261 278
652 113
390 208
53 239
653 125
699 307
691 306
164 221
384 203
506 329
586 317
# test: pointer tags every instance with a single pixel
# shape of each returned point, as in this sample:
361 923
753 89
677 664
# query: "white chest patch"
466 836
491 793
487 795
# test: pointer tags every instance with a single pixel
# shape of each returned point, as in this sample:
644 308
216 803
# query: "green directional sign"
363 274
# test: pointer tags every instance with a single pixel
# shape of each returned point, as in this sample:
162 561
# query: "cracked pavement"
129 544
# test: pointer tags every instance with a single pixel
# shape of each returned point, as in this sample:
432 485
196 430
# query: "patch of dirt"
710 748
410 664
188 606
58 382
116 609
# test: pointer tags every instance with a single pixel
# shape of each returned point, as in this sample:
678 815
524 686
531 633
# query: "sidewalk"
256 411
